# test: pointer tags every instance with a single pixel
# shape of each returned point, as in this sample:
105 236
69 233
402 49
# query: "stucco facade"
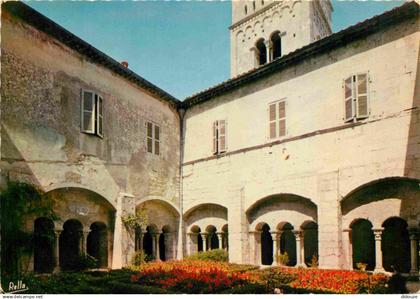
307 186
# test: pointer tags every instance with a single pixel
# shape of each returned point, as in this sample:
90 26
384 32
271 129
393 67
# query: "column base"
56 270
379 270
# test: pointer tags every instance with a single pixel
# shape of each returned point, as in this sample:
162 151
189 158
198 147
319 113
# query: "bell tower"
264 30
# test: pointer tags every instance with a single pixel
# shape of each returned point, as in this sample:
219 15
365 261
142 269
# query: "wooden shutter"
88 115
272 120
157 139
215 137
99 116
362 96
282 118
149 137
221 132
348 99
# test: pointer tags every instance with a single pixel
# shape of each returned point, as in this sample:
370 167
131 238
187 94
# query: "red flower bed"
190 276
339 281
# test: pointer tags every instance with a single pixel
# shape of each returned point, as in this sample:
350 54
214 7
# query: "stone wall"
322 158
41 137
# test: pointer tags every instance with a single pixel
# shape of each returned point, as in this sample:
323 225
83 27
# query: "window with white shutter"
92 113
153 138
356 97
219 136
277 119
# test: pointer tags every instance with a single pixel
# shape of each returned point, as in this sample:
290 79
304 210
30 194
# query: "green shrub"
252 288
138 258
117 287
216 255
242 268
282 259
83 262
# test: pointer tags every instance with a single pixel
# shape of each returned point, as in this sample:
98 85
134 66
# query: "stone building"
312 148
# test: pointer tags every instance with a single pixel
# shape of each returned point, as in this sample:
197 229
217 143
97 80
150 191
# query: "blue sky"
180 46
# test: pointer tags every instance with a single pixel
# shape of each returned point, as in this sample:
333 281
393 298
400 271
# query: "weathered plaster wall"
324 166
42 141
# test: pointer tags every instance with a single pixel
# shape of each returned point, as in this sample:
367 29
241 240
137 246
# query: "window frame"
354 96
97 118
154 141
217 150
277 119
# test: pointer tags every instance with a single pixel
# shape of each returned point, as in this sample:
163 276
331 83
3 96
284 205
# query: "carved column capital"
378 233
298 234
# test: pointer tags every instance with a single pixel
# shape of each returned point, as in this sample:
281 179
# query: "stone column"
219 235
85 234
189 243
299 238
169 246
252 253
378 249
347 242
141 236
413 232
57 251
204 237
269 49
276 243
257 237
156 250
254 56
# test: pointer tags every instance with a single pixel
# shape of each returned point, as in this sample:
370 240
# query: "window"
92 113
153 138
261 52
356 98
246 9
253 4
219 136
276 44
277 119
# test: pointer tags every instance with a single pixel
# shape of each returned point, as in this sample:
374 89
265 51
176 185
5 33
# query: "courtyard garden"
199 275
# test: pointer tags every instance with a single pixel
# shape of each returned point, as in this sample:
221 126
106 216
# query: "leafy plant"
138 258
137 220
20 201
314 262
217 255
361 266
282 259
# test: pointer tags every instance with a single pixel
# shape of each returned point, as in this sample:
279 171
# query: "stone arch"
69 186
261 51
70 243
396 245
396 196
276 45
283 207
225 239
162 238
44 245
363 243
213 240
97 243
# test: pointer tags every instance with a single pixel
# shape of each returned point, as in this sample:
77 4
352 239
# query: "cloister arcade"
284 223
83 227
381 225
206 228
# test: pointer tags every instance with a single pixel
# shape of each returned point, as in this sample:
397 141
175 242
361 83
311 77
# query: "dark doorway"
310 242
363 244
70 244
396 245
97 243
266 246
44 244
288 244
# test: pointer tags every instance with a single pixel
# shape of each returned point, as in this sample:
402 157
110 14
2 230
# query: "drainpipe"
181 113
